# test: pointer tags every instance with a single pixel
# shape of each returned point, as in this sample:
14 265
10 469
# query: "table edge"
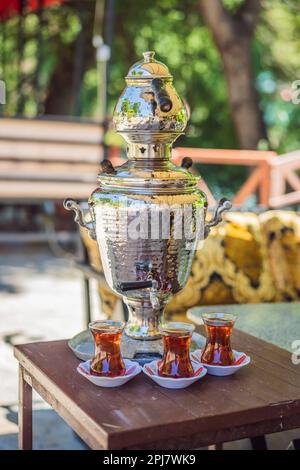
98 437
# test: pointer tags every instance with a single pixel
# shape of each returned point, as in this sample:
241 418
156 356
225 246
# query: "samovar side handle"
71 205
223 206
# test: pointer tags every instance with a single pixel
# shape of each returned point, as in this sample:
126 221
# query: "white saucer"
132 369
150 370
222 371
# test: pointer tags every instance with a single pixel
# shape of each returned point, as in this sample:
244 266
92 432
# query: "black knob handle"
186 163
161 95
107 167
126 286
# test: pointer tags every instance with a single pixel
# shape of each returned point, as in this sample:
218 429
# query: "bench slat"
20 150
33 190
59 177
48 130
45 171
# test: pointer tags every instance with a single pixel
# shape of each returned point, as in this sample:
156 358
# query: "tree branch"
218 19
232 35
247 15
225 26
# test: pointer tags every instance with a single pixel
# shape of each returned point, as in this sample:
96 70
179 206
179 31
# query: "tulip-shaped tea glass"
176 360
107 361
218 328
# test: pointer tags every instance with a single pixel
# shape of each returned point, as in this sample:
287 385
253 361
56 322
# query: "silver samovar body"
148 215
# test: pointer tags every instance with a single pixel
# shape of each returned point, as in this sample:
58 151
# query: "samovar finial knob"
149 56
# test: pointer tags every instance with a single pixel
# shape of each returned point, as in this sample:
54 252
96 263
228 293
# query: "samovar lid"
150 116
148 68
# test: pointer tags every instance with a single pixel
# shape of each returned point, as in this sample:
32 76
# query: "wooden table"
260 399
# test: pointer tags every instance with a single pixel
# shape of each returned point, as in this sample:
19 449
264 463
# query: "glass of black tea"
176 360
107 360
218 327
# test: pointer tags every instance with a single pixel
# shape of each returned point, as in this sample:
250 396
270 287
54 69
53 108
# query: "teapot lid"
149 68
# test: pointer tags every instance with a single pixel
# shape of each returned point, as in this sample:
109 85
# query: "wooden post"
265 184
249 187
277 182
25 412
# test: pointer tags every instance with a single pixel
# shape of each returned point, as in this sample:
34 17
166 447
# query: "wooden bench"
48 159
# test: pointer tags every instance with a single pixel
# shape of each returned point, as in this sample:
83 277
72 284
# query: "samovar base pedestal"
142 351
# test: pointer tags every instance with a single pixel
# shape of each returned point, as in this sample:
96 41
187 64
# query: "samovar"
147 215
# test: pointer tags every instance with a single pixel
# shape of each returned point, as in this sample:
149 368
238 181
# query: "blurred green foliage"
176 31
59 26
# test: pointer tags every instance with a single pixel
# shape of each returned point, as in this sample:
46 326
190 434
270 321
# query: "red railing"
274 177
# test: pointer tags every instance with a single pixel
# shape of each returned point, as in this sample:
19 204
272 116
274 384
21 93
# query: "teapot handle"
161 95
71 205
223 206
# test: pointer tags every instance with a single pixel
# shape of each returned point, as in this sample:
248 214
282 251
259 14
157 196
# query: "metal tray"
82 346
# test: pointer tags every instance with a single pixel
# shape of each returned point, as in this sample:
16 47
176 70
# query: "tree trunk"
243 98
74 59
232 35
60 96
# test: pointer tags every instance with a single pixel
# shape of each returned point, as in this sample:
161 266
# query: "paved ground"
41 299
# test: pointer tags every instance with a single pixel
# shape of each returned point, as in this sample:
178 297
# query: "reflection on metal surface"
148 214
